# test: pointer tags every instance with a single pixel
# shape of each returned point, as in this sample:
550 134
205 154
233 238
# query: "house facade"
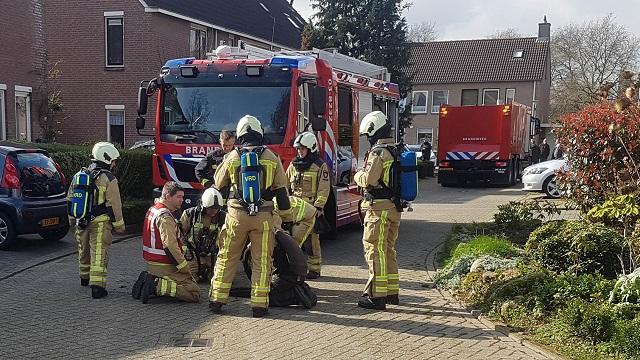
478 72
102 50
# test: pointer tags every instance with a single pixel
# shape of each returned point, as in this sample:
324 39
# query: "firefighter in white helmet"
309 180
251 170
382 218
94 231
200 227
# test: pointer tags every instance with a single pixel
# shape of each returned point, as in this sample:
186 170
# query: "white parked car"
541 177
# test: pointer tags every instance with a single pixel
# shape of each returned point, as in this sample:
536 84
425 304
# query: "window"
490 96
303 107
114 40
510 96
440 97
425 133
115 124
23 113
3 112
198 43
518 54
469 97
345 117
419 103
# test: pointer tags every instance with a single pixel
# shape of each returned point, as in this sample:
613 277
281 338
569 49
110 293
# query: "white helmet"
105 152
212 198
372 122
247 123
308 140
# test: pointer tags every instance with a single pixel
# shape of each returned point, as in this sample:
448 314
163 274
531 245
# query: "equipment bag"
250 173
83 189
408 183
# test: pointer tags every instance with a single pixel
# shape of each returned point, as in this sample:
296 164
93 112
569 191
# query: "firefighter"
309 180
200 227
168 272
303 216
206 168
382 218
94 235
249 217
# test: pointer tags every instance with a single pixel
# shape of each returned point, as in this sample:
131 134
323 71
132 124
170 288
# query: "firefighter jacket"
273 180
309 182
107 204
376 176
206 168
194 224
161 243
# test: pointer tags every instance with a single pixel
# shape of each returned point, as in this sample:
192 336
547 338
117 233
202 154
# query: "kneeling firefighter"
200 226
309 180
382 215
95 206
303 216
168 273
256 175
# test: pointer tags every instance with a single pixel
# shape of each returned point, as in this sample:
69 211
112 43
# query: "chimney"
544 30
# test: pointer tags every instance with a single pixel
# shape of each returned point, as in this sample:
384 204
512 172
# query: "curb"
503 329
115 241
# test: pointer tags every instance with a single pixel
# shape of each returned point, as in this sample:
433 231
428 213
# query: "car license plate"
50 222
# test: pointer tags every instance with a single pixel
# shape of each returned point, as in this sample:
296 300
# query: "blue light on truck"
174 63
290 61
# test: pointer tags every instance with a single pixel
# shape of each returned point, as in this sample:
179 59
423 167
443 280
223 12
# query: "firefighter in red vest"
167 272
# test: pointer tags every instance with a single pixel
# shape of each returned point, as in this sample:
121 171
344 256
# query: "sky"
472 19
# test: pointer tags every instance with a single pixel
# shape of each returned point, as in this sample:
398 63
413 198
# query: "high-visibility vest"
152 249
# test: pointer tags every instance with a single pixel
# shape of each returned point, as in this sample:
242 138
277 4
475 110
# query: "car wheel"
551 188
55 234
8 234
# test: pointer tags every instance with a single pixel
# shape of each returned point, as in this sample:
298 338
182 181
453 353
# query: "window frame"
430 130
426 102
506 95
433 97
199 30
303 108
23 91
116 108
484 94
113 15
3 111
477 91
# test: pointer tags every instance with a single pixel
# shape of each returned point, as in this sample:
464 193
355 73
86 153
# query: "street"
46 314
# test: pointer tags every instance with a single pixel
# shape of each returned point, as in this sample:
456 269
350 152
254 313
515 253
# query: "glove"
287 225
119 229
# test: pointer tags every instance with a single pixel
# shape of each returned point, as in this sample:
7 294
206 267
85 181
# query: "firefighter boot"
98 292
84 282
313 275
372 303
149 288
393 299
259 312
136 289
215 307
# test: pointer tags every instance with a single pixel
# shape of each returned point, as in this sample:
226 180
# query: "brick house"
105 48
22 67
477 72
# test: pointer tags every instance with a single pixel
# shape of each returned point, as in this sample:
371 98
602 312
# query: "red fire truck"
288 93
482 143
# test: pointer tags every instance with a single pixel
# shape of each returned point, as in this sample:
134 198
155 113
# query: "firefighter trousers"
93 245
173 283
312 248
206 266
381 224
239 227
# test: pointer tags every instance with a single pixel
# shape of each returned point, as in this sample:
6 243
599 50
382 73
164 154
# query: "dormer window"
517 54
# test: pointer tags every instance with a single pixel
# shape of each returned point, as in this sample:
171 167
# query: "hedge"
133 169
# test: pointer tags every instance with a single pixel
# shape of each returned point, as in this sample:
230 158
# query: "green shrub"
587 287
133 169
580 247
626 311
514 212
485 245
533 290
134 211
545 231
592 321
627 338
454 272
627 289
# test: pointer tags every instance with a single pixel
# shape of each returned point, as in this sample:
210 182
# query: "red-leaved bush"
602 148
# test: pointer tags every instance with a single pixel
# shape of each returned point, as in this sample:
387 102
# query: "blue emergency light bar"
175 63
291 61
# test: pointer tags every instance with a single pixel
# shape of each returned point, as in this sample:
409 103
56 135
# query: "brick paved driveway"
46 314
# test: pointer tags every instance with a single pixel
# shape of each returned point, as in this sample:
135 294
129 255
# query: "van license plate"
50 222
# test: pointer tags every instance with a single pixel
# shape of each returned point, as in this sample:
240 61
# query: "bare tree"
509 33
587 57
422 32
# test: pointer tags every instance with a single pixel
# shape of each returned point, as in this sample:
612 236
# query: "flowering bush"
602 148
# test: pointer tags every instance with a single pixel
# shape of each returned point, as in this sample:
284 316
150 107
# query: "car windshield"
196 110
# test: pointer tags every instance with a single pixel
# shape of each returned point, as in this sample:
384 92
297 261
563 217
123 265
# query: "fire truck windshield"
201 111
